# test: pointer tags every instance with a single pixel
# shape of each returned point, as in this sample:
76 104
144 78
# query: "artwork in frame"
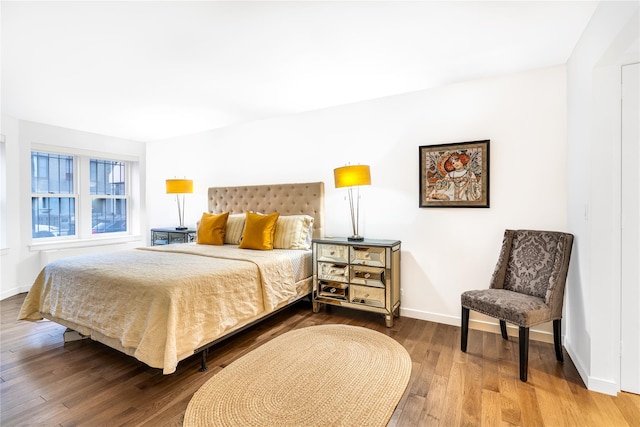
455 175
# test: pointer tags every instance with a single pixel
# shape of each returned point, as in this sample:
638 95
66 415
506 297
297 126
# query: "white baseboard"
603 386
594 384
577 361
480 325
14 291
431 317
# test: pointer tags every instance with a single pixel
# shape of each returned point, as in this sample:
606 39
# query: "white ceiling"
154 69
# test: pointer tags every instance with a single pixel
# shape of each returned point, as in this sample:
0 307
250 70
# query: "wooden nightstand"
169 236
363 275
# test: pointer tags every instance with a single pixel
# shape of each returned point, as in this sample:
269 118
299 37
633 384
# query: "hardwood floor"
46 382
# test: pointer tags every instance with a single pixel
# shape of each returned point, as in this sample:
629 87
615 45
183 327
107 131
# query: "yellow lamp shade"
179 186
352 176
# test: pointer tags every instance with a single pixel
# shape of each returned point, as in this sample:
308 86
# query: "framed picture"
455 175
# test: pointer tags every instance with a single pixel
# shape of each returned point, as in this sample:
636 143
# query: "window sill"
84 243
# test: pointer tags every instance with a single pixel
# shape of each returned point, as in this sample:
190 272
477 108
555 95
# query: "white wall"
444 251
20 262
593 289
8 255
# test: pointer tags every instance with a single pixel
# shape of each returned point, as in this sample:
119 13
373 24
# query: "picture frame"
454 175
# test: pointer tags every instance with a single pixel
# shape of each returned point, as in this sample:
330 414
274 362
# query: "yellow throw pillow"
258 231
212 228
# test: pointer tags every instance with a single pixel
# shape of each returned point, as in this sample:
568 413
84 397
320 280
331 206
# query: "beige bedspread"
163 302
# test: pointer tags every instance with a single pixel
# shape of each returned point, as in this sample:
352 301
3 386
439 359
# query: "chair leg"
503 330
465 329
557 339
524 353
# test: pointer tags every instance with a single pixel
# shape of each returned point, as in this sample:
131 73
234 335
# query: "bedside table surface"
367 242
173 230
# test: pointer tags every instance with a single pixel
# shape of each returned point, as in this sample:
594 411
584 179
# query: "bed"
162 304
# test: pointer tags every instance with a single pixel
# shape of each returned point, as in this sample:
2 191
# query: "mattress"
160 303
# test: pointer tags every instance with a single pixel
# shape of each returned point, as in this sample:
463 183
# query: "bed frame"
287 199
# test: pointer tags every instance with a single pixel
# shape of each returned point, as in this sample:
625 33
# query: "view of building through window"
53 202
55 198
109 203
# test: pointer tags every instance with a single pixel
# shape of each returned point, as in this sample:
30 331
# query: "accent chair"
526 288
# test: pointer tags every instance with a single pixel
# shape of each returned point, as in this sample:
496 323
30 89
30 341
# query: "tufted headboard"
287 199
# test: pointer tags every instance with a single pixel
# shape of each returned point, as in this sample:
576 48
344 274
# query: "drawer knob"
367 275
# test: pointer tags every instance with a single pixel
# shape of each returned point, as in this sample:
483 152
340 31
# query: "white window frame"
83 214
127 190
73 195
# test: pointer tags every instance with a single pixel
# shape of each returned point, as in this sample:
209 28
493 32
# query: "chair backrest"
535 263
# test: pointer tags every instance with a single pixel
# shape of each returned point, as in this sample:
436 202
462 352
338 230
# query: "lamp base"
182 227
355 238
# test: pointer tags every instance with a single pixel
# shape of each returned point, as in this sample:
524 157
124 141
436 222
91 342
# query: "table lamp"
350 177
180 187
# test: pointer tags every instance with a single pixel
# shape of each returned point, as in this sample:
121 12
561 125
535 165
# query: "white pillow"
293 232
235 225
309 238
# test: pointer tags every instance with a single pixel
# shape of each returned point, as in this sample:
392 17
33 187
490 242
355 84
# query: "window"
53 201
68 187
109 201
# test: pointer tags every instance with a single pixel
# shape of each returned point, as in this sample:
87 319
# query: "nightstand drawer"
333 290
368 255
333 253
366 295
178 238
160 238
371 276
331 271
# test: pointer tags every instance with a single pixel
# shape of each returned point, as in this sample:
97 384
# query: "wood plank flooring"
84 383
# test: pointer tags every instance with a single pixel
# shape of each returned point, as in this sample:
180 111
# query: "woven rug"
328 375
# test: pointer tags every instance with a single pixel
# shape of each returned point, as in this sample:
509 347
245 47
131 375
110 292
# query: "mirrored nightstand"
169 236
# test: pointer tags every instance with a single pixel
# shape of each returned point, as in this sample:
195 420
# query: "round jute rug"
327 375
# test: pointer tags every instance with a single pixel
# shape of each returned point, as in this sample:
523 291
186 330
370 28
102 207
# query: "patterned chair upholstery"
526 289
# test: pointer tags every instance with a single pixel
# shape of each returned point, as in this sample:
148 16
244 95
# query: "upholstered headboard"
287 199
